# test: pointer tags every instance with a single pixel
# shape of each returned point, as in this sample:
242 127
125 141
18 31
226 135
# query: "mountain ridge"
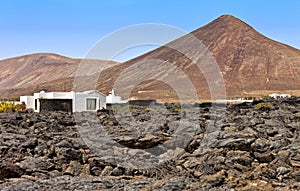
252 64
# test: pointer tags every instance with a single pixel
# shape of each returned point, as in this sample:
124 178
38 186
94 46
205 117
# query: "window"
91 104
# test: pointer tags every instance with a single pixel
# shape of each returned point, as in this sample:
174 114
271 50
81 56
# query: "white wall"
50 95
28 100
78 99
54 95
275 96
112 98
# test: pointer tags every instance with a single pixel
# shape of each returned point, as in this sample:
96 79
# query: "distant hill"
35 72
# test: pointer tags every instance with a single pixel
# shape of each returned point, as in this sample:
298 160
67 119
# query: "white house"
277 96
66 101
113 99
234 100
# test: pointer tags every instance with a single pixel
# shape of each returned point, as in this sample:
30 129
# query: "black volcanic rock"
245 149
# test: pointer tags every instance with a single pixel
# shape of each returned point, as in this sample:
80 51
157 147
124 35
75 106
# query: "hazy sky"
72 27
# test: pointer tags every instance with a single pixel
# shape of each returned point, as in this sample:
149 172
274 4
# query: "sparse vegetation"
268 98
250 98
264 105
7 106
21 107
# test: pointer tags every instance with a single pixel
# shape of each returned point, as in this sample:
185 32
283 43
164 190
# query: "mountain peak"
228 17
230 20
224 24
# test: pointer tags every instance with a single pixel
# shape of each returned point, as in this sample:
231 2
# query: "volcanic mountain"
35 72
250 63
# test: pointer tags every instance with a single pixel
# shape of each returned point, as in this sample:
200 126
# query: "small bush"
20 107
7 106
267 98
264 106
249 98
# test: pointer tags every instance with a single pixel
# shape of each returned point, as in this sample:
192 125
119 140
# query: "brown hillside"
251 63
35 72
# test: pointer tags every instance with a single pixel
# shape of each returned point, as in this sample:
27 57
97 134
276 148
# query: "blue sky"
72 27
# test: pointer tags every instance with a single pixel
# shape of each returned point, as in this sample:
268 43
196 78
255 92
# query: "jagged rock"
260 145
10 171
112 123
143 117
31 144
85 170
67 122
97 162
68 153
55 173
215 179
264 157
240 157
296 175
96 171
64 143
36 164
107 171
295 163
117 171
282 170
244 149
73 169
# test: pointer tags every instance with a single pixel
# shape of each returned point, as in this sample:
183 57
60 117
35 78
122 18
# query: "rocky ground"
234 147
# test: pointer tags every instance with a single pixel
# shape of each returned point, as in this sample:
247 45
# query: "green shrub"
7 106
268 98
264 105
